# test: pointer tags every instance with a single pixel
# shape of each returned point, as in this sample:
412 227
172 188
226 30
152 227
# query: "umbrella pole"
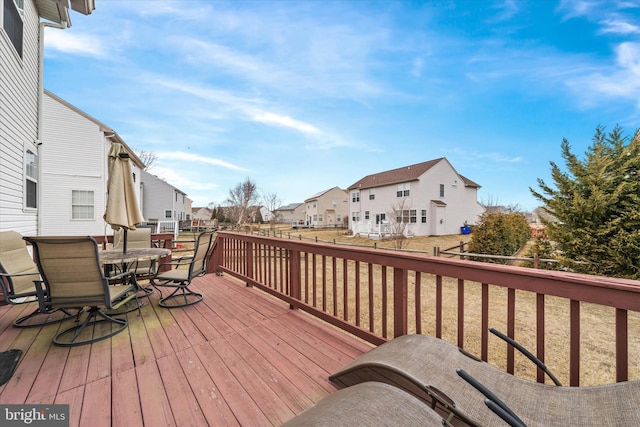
124 243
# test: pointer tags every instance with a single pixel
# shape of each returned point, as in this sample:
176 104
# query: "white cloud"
195 158
73 43
619 27
285 121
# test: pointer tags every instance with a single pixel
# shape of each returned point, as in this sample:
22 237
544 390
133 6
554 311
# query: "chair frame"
113 296
197 266
10 295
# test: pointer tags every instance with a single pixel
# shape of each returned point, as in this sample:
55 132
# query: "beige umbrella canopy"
122 209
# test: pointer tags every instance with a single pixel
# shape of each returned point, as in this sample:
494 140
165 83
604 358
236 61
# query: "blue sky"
304 95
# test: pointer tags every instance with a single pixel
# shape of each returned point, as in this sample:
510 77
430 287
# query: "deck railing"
379 294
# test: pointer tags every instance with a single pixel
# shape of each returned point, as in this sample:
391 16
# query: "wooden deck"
240 357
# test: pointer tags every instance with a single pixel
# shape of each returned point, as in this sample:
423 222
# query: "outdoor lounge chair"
368 404
72 277
184 271
418 362
17 275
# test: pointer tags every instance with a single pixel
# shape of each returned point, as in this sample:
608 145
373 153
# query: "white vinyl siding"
19 122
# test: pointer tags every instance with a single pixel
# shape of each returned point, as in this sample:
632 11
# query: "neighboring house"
21 55
328 208
293 213
73 184
162 201
429 198
201 213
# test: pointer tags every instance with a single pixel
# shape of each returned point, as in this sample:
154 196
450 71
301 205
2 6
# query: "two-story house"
328 208
74 175
21 71
429 198
162 201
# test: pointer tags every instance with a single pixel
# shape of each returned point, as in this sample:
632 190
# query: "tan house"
328 208
293 213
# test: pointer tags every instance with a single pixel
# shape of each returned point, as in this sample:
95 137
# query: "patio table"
126 260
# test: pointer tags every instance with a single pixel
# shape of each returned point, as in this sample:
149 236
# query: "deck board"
240 357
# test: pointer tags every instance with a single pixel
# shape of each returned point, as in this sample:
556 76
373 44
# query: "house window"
12 23
167 214
402 217
412 216
372 194
335 204
315 218
319 217
338 218
82 204
424 216
402 190
355 196
441 190
31 179
355 216
366 214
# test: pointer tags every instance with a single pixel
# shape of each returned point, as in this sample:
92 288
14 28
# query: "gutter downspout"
62 26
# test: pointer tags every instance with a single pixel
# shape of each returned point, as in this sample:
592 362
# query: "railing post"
295 275
400 299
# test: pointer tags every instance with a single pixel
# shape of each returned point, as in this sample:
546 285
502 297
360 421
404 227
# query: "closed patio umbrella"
123 210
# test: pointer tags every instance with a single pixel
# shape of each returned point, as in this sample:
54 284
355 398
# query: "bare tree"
147 157
398 218
272 202
241 197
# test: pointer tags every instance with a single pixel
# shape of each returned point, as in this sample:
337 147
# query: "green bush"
499 234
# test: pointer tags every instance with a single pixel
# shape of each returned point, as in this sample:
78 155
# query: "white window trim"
25 176
93 206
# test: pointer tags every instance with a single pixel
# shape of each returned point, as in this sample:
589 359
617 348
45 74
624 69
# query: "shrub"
499 234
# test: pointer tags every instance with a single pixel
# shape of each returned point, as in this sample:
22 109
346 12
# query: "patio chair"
17 275
184 270
72 277
138 238
416 362
368 404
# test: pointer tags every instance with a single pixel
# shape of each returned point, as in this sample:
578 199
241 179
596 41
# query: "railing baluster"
385 332
371 299
324 283
460 313
540 331
345 290
334 277
511 328
357 285
574 343
418 303
439 306
622 345
484 323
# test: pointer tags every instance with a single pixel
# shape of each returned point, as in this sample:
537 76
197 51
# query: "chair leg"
180 294
90 321
21 322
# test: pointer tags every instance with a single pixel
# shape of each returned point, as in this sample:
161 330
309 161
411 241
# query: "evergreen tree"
596 205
